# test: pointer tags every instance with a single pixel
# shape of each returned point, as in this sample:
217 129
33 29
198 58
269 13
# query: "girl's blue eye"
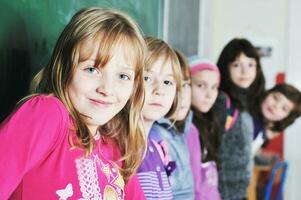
91 70
124 77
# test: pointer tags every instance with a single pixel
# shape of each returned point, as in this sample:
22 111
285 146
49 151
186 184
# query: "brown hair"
231 51
184 65
294 95
185 72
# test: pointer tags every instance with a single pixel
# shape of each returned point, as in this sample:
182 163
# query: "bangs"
107 43
248 50
185 71
251 53
154 55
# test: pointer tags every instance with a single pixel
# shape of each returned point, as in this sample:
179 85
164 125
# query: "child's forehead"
160 64
281 96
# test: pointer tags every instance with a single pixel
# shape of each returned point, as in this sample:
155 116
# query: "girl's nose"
105 86
276 106
243 69
158 88
208 94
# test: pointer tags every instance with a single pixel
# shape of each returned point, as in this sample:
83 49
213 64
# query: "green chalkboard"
30 28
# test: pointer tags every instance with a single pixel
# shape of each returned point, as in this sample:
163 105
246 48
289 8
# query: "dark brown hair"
231 51
294 95
208 128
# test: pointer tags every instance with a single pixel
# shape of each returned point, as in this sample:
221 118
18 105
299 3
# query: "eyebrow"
201 81
127 68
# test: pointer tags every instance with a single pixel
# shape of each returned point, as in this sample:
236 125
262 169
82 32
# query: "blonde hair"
184 65
185 76
110 28
156 49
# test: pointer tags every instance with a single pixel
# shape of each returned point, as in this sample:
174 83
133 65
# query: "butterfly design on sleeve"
64 194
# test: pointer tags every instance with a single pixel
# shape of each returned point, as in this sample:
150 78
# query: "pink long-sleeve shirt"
37 161
205 174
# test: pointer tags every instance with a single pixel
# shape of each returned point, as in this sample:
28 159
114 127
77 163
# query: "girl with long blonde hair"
78 136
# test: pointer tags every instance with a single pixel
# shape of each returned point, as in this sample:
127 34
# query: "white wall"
263 22
292 140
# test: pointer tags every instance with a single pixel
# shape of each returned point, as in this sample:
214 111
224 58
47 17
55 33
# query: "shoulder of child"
193 136
45 103
28 136
41 115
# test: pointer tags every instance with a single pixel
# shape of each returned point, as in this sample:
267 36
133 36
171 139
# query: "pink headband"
199 65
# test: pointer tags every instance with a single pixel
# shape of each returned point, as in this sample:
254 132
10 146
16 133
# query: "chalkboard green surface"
30 28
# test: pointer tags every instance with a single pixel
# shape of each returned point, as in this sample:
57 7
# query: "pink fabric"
163 151
38 163
194 148
205 175
133 190
199 65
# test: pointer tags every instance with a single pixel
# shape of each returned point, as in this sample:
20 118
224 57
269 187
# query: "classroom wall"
263 22
292 138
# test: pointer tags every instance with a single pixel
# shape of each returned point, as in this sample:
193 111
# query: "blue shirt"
181 179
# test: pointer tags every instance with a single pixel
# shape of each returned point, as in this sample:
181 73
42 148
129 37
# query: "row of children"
117 116
232 117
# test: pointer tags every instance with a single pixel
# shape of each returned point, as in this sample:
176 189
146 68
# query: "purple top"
152 174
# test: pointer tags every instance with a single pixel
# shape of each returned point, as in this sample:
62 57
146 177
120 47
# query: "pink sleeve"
194 148
133 189
26 137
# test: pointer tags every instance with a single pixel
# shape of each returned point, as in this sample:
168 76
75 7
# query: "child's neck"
94 131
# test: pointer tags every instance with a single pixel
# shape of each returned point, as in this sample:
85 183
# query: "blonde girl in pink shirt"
79 136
